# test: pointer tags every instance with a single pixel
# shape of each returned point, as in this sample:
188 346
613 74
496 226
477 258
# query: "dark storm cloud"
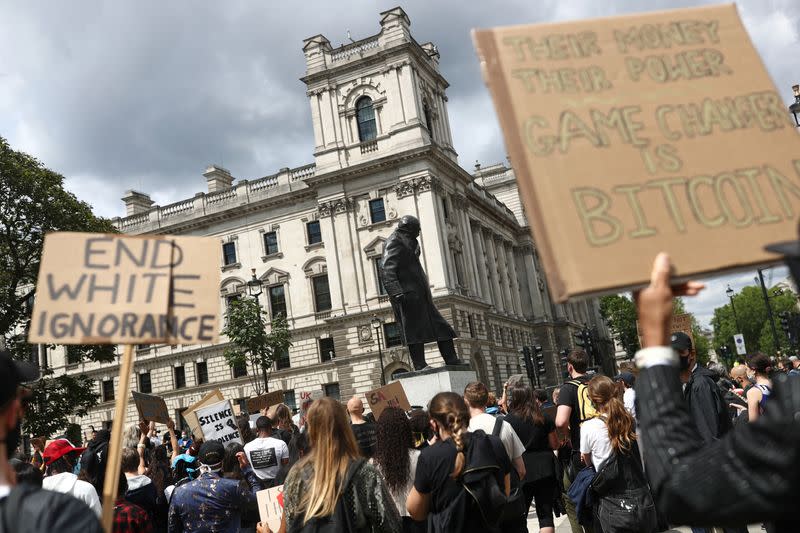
145 94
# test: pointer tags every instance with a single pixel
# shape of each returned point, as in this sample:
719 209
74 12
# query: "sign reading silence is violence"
644 133
118 289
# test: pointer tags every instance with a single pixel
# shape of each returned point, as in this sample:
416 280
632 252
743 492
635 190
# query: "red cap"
58 449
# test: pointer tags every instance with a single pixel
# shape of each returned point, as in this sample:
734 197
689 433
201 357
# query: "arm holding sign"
247 496
173 440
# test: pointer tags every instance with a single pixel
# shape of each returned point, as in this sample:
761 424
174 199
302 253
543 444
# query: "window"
445 212
73 355
239 370
282 360
326 350
230 299
289 399
271 242
145 384
392 335
180 423
313 232
277 300
108 390
180 377
379 275
365 116
202 372
229 253
332 390
377 211
471 324
322 293
426 110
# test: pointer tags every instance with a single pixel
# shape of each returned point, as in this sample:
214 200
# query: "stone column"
480 263
497 295
514 280
539 307
505 282
468 249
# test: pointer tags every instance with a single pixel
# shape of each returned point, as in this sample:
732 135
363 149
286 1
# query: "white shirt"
68 483
266 456
629 399
511 442
594 440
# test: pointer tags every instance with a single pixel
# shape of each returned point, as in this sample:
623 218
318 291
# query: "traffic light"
538 356
579 339
564 353
525 352
785 322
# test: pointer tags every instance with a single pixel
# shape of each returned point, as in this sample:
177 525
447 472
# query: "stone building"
313 234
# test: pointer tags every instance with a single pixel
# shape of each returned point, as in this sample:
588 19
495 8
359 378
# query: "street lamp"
795 107
255 289
760 280
730 294
376 325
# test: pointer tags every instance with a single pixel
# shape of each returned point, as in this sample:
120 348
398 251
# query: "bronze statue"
410 295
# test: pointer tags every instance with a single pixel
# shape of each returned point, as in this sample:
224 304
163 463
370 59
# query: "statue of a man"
411 299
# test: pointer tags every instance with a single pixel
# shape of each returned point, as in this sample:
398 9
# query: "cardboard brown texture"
150 407
254 405
640 134
391 395
191 417
682 322
270 506
118 289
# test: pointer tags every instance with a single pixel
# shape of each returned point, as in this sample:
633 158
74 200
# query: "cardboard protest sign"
682 322
640 134
119 289
217 422
254 405
190 414
391 395
151 408
306 399
270 506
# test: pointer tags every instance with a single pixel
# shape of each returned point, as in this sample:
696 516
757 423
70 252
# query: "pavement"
562 526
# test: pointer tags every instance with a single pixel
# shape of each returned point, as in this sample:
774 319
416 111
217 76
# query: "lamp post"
795 107
255 289
730 294
376 325
775 343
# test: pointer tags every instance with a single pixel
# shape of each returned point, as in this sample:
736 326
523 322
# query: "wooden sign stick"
115 444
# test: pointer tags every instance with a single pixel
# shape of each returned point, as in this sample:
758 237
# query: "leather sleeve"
750 475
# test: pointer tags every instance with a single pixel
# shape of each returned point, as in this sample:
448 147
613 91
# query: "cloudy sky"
143 95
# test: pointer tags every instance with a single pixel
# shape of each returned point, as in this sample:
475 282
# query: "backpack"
340 521
586 409
93 462
480 484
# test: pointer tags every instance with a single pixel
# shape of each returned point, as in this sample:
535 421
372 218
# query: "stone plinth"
421 386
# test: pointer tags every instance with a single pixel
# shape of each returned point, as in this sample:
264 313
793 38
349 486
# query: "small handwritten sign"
255 405
151 408
120 289
270 506
391 395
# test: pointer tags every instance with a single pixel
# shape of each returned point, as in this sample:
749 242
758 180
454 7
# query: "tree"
702 345
753 323
33 202
620 313
250 343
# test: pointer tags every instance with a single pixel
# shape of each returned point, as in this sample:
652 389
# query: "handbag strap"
498 426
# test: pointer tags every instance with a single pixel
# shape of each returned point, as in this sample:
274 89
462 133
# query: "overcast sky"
143 95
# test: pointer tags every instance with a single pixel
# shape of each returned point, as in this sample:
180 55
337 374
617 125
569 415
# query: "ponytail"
450 412
619 422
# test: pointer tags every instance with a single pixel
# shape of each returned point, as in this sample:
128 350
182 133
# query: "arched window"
365 116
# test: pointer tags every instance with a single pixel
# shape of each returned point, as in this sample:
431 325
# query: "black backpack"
340 521
93 464
480 481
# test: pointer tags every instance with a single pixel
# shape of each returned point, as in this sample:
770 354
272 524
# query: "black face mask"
684 362
12 439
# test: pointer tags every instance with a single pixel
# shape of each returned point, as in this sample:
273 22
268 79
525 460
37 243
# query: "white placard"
217 422
739 340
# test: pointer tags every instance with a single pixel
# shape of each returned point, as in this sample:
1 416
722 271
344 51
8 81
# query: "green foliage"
620 314
33 202
251 344
753 323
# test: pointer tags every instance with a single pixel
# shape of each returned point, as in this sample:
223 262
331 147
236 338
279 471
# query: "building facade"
313 236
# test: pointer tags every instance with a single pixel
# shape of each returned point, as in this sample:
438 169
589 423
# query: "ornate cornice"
415 186
336 207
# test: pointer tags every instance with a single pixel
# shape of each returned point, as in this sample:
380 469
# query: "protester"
185 441
759 367
210 502
27 473
571 412
751 474
397 460
420 428
476 396
334 472
538 434
283 427
540 395
129 517
141 489
59 458
784 365
245 431
160 475
266 453
185 468
362 429
437 489
38 447
94 460
231 469
795 371
298 448
629 396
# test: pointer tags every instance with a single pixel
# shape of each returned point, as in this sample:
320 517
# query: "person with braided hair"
438 489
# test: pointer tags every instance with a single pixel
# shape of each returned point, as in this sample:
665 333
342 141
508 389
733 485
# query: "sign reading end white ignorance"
117 289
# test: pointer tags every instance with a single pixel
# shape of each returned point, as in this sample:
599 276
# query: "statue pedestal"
421 386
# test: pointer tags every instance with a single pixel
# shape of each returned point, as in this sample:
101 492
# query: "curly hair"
391 453
450 411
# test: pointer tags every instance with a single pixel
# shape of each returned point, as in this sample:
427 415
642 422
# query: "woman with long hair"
284 428
608 442
438 489
538 434
396 458
758 370
334 470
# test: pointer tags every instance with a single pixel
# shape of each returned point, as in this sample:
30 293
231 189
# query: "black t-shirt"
435 464
568 395
533 436
366 437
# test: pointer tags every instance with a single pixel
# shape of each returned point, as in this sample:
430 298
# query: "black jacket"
750 475
402 272
708 408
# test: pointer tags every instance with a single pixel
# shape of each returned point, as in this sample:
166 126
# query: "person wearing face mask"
26 508
706 404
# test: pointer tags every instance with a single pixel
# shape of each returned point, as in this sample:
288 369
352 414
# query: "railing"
264 183
322 315
346 52
177 208
221 196
301 173
133 221
369 146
